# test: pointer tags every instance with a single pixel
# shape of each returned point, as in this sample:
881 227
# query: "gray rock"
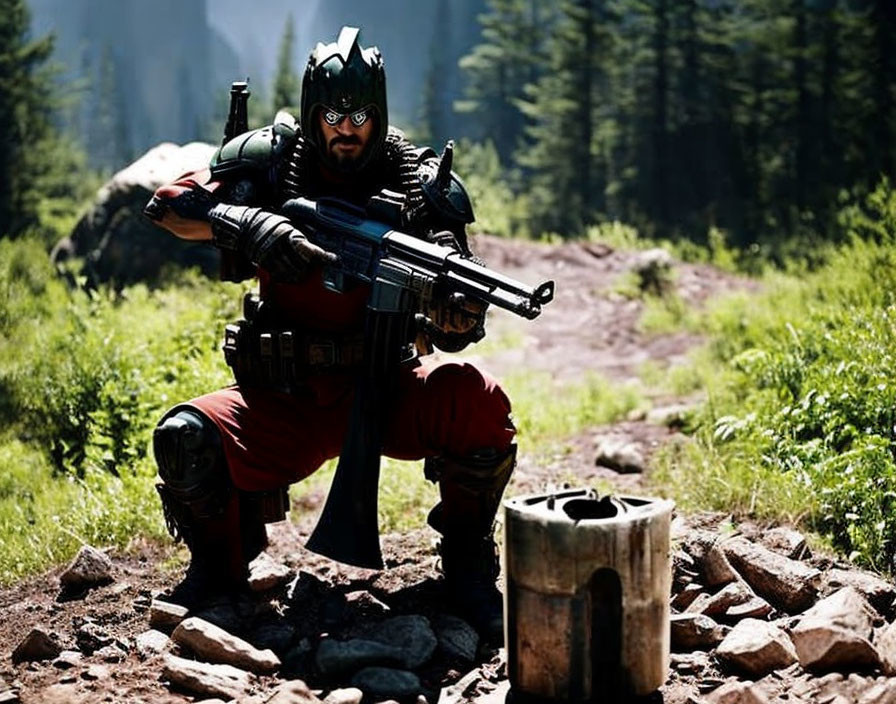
457 638
834 634
265 573
674 416
149 643
879 593
292 692
738 693
111 653
620 455
412 634
164 616
786 584
385 683
786 541
116 242
68 659
366 603
822 647
885 644
346 695
846 608
90 568
732 594
276 636
223 615
222 681
757 648
9 696
880 693
39 644
694 632
709 559
686 596
334 657
213 643
91 636
97 672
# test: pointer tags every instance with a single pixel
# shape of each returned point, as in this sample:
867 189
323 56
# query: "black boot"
471 571
471 490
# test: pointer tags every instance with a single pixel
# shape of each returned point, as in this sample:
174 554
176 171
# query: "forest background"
759 135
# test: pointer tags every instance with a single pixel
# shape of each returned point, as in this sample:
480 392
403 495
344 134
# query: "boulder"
757 648
165 616
879 593
738 693
785 541
117 243
709 559
786 584
149 643
345 695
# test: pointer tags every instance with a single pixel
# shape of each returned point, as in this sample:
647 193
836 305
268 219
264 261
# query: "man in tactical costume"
226 458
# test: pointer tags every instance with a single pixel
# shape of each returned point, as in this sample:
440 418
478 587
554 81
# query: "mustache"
345 139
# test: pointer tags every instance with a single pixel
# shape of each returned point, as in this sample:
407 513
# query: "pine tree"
509 57
437 108
286 80
25 96
568 182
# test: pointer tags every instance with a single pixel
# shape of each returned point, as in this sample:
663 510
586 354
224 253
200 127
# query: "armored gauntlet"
267 240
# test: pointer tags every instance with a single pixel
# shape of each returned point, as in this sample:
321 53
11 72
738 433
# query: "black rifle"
406 274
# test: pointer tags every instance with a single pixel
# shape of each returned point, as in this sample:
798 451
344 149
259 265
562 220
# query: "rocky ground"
756 617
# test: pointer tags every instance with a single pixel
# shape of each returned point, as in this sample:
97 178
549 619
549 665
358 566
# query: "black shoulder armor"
444 192
256 151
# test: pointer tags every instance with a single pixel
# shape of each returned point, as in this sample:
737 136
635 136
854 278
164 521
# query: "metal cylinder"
587 594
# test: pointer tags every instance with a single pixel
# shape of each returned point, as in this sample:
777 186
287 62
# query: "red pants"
273 439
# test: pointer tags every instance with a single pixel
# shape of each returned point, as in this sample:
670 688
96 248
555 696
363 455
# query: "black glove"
267 240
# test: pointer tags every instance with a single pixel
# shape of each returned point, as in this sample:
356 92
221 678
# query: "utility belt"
263 354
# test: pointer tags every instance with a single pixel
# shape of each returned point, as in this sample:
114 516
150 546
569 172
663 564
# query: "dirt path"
587 328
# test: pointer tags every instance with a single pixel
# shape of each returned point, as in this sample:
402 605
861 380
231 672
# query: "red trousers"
273 439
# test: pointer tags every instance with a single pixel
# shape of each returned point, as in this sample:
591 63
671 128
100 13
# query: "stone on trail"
411 634
91 637
786 584
885 643
880 693
834 634
709 559
757 648
90 568
738 693
223 681
879 593
265 573
39 644
457 638
686 596
215 644
335 657
785 541
292 692
385 683
345 695
695 632
149 643
68 659
734 594
620 455
165 616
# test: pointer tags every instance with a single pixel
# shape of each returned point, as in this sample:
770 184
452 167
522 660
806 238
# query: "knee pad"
192 467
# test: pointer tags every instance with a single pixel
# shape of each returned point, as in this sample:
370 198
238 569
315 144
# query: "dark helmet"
345 77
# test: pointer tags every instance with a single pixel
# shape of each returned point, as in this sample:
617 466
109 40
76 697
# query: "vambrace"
268 240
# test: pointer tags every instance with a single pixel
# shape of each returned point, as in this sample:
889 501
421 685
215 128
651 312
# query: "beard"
346 162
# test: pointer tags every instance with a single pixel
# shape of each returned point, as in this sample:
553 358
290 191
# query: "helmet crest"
344 76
